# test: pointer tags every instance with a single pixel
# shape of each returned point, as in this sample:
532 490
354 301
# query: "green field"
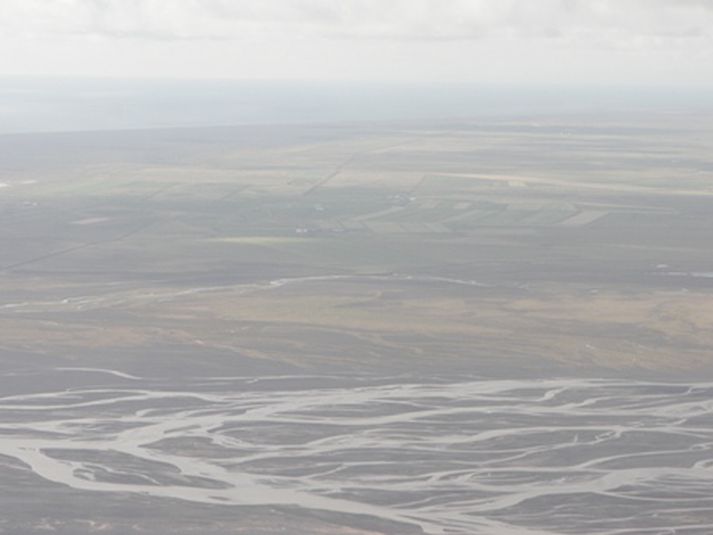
492 246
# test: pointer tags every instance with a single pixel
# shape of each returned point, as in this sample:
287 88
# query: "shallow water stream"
460 457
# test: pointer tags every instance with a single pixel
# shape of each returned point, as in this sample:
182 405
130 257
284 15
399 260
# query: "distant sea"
79 104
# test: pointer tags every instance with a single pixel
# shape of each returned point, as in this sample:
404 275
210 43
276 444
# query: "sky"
510 42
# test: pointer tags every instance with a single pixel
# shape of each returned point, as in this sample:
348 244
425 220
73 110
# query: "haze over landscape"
356 267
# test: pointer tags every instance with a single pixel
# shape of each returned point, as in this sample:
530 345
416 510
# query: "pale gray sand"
604 457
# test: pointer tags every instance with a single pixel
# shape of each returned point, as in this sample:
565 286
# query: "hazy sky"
493 41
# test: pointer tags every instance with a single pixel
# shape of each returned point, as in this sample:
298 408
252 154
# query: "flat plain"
138 266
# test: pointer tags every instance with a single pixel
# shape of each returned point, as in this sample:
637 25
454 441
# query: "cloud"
599 21
501 41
